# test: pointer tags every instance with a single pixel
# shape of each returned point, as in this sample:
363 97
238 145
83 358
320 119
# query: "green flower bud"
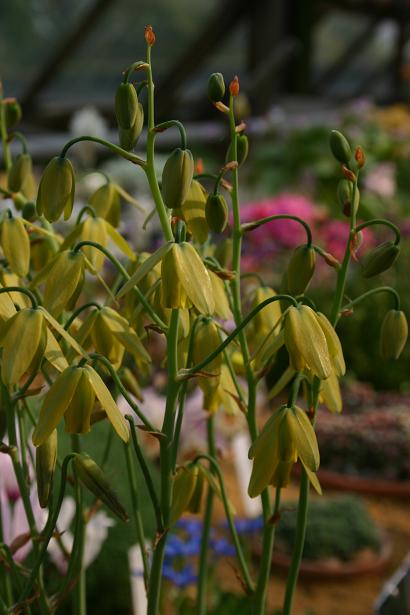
345 197
29 211
340 147
126 105
216 87
393 334
242 148
106 203
56 189
20 170
183 490
301 269
216 212
380 259
129 136
12 112
94 479
46 458
177 177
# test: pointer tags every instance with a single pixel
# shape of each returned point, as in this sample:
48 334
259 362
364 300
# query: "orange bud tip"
331 260
360 157
230 165
149 36
199 166
240 127
227 185
234 86
347 313
348 174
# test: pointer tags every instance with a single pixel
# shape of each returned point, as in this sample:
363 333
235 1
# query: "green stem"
238 331
111 146
169 124
229 517
132 481
298 544
147 475
78 311
375 291
258 607
382 222
22 139
77 555
125 275
250 226
201 602
84 210
24 291
47 533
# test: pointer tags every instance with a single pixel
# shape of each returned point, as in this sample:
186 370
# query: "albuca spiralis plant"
184 292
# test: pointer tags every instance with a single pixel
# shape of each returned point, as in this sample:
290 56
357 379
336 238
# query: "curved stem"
48 531
24 291
251 226
169 124
199 366
201 606
78 311
125 275
147 475
139 65
85 209
229 517
116 149
122 389
22 139
382 222
374 291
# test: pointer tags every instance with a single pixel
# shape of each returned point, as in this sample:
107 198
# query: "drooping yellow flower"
306 342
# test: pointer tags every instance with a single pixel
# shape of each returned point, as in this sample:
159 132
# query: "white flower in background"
381 179
96 533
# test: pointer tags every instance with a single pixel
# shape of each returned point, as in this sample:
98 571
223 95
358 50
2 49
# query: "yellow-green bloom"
64 281
73 395
192 211
183 490
46 459
393 334
56 190
333 344
306 343
16 245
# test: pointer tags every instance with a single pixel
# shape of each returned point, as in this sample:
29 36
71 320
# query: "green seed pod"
380 259
393 334
216 87
126 105
216 212
129 136
16 245
345 197
56 189
12 112
20 170
340 147
177 177
94 479
46 458
301 269
242 149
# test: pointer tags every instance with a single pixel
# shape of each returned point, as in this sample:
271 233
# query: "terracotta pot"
364 485
366 562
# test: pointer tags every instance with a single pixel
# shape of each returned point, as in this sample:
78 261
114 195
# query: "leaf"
108 404
120 241
145 268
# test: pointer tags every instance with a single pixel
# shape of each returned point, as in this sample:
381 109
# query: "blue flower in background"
222 547
181 578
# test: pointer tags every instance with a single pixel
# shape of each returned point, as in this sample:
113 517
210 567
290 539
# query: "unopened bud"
216 87
301 269
216 212
242 149
393 334
359 157
345 196
94 479
20 170
348 174
380 259
149 36
56 189
177 177
46 459
340 147
126 105
12 112
234 86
